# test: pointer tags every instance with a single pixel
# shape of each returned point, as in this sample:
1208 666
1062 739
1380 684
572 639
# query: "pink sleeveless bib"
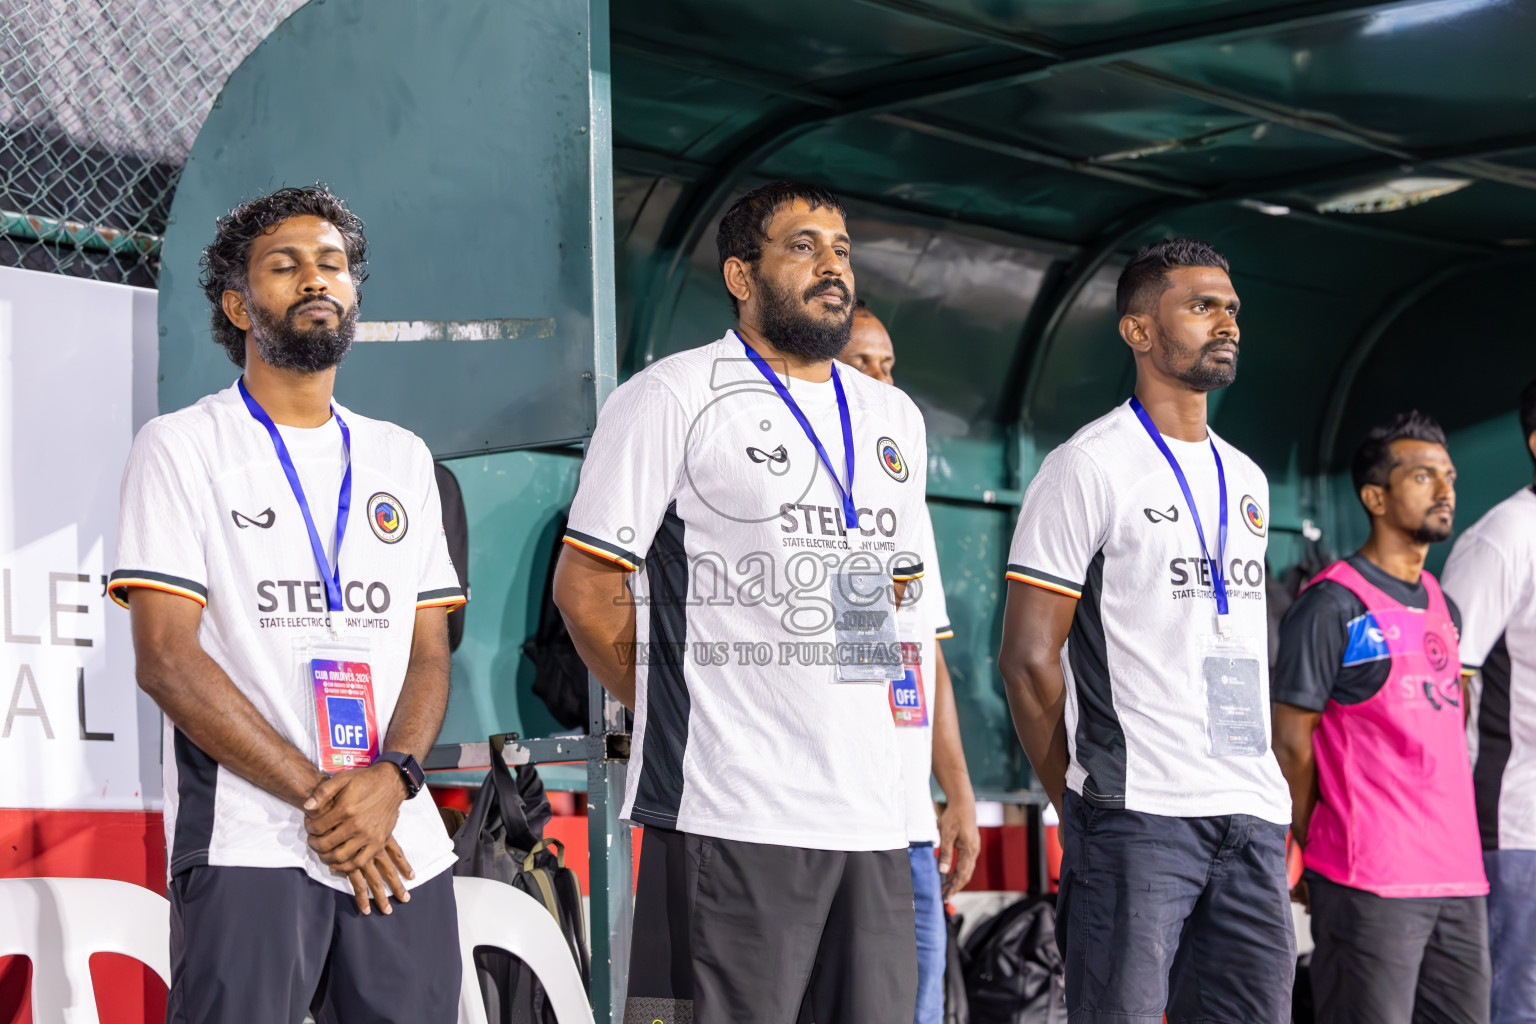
1395 814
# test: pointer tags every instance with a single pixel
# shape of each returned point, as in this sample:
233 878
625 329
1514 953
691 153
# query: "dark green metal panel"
1074 23
514 502
1461 353
1087 368
973 549
804 41
461 133
1485 211
944 291
1414 74
989 188
1125 123
692 114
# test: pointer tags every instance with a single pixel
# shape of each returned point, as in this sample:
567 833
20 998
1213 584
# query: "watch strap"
410 771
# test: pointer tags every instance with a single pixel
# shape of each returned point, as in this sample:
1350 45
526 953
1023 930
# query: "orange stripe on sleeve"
606 556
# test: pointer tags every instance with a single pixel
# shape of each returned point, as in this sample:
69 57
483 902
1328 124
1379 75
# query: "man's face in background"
869 349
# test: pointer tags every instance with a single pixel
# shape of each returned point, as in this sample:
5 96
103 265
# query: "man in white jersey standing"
285 568
1135 663
747 517
1491 573
923 707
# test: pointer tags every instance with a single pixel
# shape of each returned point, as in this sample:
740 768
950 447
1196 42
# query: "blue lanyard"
1218 572
331 576
850 513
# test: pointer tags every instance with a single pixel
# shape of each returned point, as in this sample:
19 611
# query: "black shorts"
1188 916
1384 961
272 944
728 932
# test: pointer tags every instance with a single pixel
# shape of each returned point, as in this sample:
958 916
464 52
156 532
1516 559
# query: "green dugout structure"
541 183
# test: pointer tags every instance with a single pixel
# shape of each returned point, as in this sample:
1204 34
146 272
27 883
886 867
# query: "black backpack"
502 838
560 676
1013 970
456 529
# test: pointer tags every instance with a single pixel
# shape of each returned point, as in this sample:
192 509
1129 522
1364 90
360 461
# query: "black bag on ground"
560 676
1013 970
503 839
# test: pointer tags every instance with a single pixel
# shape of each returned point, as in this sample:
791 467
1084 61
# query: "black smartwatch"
410 771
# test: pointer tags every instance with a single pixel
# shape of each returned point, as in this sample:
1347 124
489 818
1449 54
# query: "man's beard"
282 344
1201 375
1432 533
794 330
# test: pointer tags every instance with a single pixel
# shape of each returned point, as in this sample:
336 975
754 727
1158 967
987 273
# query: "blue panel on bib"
1366 642
349 722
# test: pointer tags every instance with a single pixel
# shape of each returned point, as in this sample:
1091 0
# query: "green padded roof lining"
1080 129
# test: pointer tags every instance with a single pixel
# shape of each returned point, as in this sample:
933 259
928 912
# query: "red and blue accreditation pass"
909 704
348 732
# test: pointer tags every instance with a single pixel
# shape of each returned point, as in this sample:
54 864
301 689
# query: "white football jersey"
924 621
700 480
1105 521
208 514
1491 574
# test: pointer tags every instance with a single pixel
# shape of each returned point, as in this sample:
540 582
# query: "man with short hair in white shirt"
1491 573
928 727
747 518
288 579
1134 656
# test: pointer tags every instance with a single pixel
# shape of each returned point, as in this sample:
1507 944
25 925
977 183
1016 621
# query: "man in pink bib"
1369 729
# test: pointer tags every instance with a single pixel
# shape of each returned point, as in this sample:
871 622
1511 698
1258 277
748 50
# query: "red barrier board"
126 845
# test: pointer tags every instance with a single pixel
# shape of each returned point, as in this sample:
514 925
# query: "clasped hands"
350 818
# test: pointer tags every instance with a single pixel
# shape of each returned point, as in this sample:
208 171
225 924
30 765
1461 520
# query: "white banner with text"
77 378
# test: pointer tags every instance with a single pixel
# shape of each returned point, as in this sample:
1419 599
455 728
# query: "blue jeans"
1512 933
932 938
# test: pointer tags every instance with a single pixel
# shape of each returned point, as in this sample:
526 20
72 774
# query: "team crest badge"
387 517
1253 516
890 458
1436 651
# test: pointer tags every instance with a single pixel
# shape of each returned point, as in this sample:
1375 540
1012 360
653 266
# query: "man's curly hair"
226 260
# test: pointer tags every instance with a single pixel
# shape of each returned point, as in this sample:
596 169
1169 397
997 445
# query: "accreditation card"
909 702
346 727
866 646
1234 698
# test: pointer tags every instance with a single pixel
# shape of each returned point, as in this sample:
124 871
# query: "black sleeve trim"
447 597
603 549
1045 581
122 580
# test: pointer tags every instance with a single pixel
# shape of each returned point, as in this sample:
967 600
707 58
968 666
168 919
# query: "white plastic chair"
494 914
57 923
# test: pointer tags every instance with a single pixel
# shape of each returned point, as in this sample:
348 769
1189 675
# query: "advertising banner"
77 378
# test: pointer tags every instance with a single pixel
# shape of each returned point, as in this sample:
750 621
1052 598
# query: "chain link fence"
100 101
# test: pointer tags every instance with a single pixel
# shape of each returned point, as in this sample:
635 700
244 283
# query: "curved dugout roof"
1002 156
